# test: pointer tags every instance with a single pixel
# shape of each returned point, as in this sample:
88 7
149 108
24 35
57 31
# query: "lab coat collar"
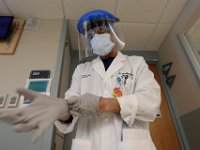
116 65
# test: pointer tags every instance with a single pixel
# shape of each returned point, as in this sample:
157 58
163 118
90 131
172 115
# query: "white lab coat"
139 105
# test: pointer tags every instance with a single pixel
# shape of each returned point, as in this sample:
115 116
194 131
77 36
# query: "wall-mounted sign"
170 80
166 68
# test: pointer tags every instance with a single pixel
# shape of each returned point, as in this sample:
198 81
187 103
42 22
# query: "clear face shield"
99 33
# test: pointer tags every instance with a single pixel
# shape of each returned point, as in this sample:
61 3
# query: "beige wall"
186 87
37 49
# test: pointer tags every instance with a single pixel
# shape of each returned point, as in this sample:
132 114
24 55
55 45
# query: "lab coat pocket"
136 139
80 144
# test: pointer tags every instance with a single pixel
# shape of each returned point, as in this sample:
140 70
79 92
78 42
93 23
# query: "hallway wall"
186 86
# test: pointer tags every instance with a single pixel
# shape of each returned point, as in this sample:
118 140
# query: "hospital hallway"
163 131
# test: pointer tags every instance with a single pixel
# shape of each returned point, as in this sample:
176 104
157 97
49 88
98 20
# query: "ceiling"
144 23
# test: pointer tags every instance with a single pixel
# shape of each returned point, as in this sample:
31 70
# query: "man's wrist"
109 105
66 119
102 105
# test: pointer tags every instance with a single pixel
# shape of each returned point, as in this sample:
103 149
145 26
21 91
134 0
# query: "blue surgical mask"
101 44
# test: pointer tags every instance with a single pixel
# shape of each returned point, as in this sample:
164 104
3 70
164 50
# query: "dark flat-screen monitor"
5 25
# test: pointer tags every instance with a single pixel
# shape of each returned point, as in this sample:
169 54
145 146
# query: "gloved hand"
39 115
85 105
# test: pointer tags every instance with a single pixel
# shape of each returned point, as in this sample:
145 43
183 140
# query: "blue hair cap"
95 14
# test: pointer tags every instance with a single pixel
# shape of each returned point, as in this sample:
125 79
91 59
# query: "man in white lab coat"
129 94
112 98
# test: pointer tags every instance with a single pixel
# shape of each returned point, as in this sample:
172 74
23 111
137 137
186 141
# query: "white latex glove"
39 115
85 105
